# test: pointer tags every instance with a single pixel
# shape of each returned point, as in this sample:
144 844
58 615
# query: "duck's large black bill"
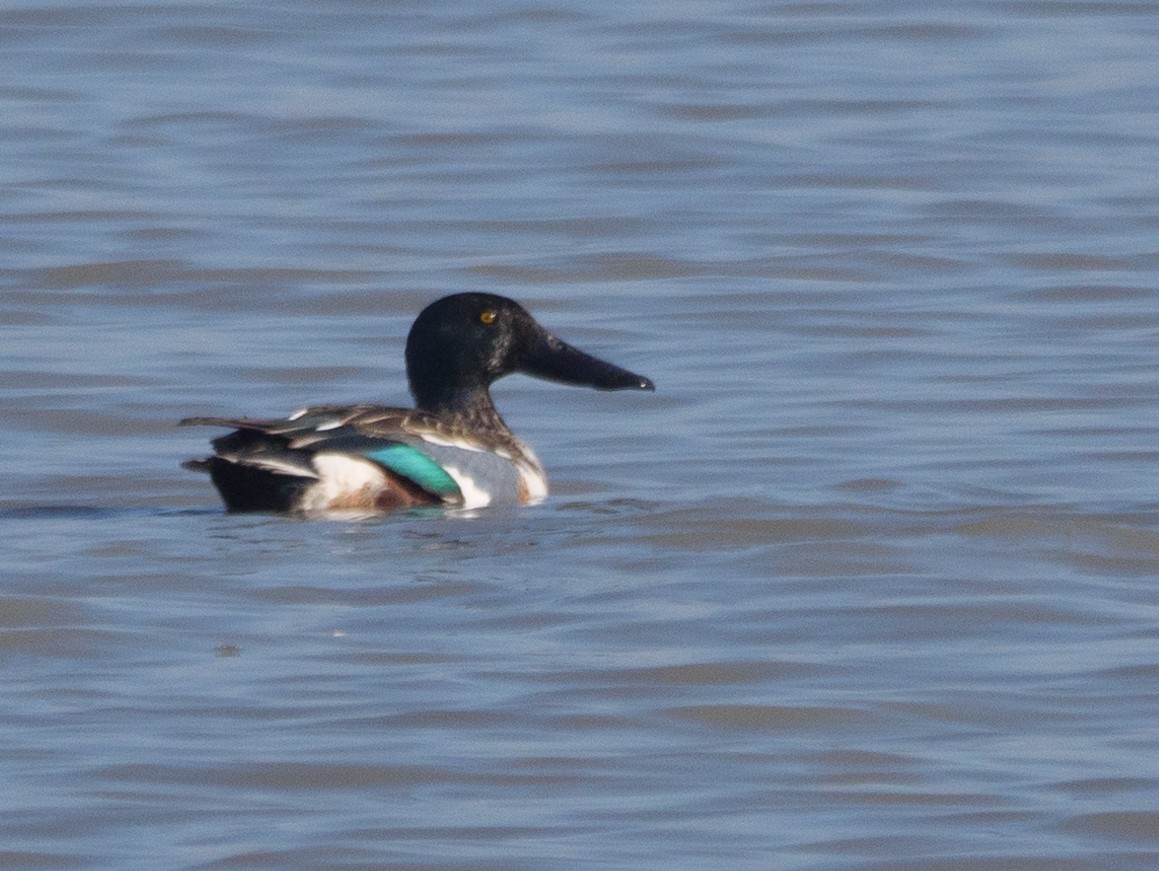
555 360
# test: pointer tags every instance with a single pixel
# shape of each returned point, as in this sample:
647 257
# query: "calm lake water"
870 582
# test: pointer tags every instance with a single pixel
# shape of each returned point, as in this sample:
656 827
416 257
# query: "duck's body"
367 458
453 449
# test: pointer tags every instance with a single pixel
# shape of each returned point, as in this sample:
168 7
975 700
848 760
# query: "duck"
451 450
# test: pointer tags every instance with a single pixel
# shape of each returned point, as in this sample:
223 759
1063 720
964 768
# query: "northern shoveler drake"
452 449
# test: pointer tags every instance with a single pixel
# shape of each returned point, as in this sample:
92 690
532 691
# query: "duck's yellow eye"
487 316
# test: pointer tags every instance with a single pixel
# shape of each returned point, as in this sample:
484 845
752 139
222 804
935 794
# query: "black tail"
249 488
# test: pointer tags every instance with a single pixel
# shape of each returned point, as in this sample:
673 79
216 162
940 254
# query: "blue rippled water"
868 583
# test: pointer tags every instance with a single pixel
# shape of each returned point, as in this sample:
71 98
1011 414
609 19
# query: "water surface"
869 582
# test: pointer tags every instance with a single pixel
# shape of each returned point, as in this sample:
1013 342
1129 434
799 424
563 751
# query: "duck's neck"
469 407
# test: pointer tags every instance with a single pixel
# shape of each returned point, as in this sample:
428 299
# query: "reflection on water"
866 584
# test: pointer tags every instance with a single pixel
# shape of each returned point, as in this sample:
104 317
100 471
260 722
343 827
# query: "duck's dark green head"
460 344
